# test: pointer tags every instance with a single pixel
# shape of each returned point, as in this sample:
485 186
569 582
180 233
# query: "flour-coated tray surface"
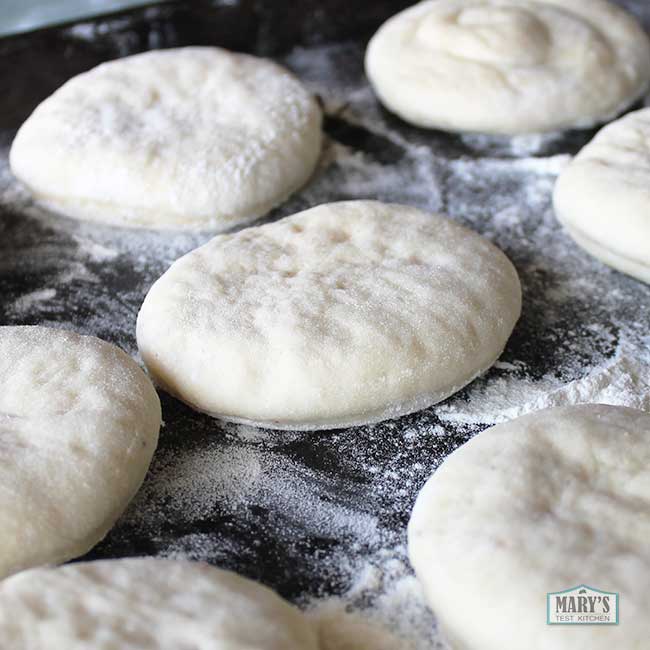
319 516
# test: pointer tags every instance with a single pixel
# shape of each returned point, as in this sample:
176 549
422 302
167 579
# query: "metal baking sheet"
306 513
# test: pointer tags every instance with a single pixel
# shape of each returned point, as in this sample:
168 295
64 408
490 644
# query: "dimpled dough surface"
509 66
79 423
342 314
603 196
146 604
190 137
543 503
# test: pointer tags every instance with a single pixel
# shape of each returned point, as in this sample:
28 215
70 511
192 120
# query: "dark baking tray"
372 472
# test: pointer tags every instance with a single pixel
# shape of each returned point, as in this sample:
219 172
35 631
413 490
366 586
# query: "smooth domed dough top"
146 604
343 314
603 196
509 66
552 500
195 137
79 422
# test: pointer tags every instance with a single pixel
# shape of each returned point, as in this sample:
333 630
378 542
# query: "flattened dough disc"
79 424
509 66
148 604
344 314
603 197
543 503
195 137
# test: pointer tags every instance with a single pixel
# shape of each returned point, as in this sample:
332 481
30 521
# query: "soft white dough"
343 314
603 196
146 604
79 422
543 503
509 66
195 137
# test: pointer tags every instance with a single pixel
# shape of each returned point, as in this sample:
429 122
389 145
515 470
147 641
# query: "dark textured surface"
57 272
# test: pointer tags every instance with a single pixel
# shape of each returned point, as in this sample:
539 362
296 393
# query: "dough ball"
343 314
509 66
79 423
196 137
146 604
543 503
603 197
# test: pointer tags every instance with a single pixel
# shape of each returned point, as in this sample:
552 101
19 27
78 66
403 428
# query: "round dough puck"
79 422
544 503
195 137
344 314
603 197
509 66
148 604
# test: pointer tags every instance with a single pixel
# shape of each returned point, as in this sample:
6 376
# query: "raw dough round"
195 137
146 604
509 66
603 197
79 423
548 501
344 314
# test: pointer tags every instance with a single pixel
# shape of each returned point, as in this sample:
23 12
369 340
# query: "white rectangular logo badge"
582 605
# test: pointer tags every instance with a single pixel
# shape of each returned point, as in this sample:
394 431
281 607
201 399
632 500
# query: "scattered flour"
623 380
28 300
517 146
384 609
94 251
378 604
